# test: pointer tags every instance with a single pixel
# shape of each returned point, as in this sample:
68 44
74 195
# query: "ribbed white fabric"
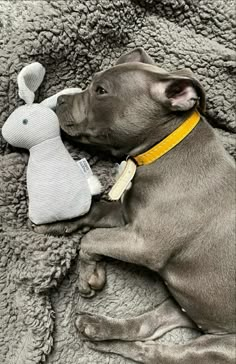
30 125
57 189
29 80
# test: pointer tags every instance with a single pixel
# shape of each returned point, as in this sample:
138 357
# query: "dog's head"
129 106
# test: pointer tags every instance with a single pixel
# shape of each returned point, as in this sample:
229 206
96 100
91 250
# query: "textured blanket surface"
73 39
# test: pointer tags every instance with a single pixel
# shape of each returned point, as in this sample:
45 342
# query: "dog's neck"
194 153
170 123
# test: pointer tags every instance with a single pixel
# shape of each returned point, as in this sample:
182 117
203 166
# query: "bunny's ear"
29 80
51 101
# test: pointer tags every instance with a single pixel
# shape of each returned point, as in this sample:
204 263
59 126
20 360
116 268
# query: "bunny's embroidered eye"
25 121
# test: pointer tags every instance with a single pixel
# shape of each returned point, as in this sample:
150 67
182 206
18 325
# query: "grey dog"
177 219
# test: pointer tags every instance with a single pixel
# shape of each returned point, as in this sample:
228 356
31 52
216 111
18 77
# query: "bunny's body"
55 184
57 187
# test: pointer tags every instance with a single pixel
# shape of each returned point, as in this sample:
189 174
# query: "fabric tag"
85 167
123 182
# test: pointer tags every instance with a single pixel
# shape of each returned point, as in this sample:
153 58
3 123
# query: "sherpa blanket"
73 39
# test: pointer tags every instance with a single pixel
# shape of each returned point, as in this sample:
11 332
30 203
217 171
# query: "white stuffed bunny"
58 189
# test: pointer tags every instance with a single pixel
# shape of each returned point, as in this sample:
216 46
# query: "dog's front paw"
92 327
92 276
56 229
72 226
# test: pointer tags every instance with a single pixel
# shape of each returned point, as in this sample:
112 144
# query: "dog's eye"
25 121
100 90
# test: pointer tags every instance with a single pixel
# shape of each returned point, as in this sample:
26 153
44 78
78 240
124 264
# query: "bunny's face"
30 125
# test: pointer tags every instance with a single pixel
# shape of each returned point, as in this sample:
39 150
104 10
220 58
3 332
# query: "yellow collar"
125 179
169 142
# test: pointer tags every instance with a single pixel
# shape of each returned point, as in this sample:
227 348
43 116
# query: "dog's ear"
136 55
179 90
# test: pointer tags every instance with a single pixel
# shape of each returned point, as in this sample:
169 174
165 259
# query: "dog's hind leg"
147 326
206 349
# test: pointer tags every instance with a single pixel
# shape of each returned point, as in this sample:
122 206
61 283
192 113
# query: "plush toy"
58 187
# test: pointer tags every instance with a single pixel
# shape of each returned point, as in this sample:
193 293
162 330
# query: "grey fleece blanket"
73 39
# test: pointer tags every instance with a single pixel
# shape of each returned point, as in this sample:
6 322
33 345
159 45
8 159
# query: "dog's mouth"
80 133
66 119
89 140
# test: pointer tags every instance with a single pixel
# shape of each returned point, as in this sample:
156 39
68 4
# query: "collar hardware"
123 181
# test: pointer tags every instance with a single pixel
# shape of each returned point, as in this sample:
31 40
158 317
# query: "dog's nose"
61 100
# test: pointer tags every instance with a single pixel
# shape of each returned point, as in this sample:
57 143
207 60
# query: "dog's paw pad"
90 326
98 278
90 331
